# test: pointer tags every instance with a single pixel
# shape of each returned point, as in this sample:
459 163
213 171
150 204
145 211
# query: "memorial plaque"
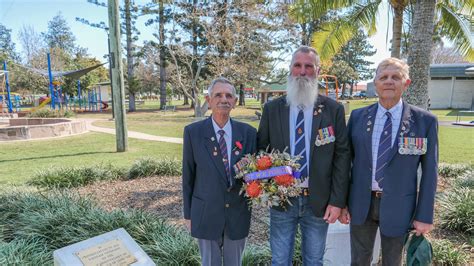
112 252
113 248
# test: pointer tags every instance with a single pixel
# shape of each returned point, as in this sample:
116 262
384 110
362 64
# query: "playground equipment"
329 86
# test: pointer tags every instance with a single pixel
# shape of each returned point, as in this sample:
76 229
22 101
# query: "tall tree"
454 18
354 54
419 53
31 42
60 35
7 46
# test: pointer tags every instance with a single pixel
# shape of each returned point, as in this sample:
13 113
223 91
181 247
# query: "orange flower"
284 180
264 162
254 189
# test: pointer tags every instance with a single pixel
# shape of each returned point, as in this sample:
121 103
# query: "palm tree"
452 16
419 57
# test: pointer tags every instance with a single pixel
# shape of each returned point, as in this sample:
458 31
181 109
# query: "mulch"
162 196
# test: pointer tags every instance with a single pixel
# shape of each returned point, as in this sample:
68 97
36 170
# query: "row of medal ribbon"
325 135
412 146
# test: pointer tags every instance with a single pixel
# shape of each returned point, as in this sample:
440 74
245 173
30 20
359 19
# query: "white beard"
302 91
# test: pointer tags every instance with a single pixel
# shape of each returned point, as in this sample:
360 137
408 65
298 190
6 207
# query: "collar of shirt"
227 136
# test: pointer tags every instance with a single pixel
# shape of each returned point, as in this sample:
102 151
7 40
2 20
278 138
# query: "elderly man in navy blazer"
214 211
391 141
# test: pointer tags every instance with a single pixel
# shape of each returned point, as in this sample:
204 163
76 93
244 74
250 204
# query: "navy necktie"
300 143
225 157
385 145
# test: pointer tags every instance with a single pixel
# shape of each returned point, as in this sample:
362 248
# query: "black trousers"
363 239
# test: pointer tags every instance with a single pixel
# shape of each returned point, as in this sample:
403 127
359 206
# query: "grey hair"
305 49
399 64
220 80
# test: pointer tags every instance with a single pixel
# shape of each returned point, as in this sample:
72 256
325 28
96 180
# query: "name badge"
325 136
412 146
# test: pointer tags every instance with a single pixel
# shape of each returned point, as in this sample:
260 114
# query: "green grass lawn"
456 145
20 160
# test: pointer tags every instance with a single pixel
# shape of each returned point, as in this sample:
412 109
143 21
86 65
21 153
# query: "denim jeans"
283 226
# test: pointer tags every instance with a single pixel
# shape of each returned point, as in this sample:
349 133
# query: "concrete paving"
131 134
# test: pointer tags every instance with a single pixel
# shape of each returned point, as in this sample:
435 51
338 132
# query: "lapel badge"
369 122
403 128
212 139
215 151
315 112
237 153
368 129
412 134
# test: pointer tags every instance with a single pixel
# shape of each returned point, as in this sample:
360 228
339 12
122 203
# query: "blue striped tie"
385 145
300 143
225 157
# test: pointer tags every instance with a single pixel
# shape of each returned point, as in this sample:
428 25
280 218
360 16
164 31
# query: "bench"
460 114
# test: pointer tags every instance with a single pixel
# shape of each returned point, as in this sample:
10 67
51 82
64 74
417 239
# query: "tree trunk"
162 57
397 30
241 95
186 99
419 53
128 31
131 101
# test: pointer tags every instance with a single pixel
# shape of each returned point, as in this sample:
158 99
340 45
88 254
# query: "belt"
377 194
304 191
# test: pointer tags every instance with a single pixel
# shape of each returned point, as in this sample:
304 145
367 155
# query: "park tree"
7 46
354 54
162 12
453 17
419 53
31 43
344 72
59 35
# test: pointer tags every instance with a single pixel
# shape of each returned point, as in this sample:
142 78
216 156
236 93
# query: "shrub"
48 113
453 170
457 210
465 181
445 253
67 177
145 167
27 220
256 255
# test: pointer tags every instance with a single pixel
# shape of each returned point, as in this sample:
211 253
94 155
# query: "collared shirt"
308 122
227 136
379 123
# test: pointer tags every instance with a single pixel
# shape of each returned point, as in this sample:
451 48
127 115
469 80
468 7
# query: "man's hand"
345 217
188 224
422 228
332 213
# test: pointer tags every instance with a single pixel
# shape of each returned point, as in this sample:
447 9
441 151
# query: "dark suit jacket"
329 163
401 202
211 207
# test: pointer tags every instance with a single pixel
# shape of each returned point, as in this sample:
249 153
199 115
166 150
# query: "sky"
16 13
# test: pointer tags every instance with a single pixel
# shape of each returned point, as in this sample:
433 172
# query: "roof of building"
451 70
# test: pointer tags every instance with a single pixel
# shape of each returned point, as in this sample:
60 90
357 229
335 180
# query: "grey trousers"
224 251
363 239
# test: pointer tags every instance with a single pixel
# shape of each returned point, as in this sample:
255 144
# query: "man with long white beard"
312 126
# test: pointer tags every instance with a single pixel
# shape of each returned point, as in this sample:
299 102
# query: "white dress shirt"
379 123
227 136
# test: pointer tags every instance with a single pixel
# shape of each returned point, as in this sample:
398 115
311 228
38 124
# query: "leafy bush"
48 113
465 181
66 177
453 170
457 210
27 220
145 167
256 255
446 253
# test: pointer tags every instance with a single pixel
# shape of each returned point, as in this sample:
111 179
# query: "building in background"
451 86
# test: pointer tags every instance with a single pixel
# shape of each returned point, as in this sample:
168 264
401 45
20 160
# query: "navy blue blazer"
207 201
402 201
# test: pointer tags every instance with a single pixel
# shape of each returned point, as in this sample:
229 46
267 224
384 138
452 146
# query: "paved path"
131 134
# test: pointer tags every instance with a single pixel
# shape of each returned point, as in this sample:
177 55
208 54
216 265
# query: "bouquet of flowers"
270 178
